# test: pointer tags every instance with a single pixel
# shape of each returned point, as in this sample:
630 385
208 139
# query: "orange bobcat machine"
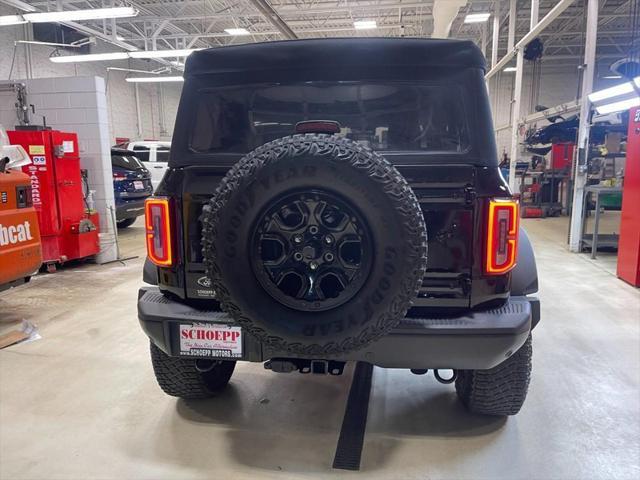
20 249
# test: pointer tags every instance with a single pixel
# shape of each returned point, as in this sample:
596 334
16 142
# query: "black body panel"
453 200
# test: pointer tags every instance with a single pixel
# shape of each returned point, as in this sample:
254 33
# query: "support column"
580 173
161 119
484 42
138 113
28 59
495 39
114 33
535 13
511 38
515 119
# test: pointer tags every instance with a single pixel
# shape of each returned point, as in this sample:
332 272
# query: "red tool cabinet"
561 155
629 243
68 231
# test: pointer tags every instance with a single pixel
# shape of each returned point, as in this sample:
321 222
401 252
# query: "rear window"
142 153
128 162
162 155
383 116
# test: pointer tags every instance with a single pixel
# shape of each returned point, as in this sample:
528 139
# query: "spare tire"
314 244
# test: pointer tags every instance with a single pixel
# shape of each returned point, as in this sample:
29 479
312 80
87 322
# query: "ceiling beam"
273 18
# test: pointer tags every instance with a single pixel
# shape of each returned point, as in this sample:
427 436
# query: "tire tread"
500 390
178 377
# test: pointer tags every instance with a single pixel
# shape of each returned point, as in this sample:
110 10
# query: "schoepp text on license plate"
210 340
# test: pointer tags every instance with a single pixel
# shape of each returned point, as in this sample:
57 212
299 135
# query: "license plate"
138 185
210 340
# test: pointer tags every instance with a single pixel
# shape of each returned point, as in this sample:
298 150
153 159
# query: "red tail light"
502 236
118 177
157 213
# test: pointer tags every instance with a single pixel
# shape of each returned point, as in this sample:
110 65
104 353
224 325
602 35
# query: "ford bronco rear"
338 200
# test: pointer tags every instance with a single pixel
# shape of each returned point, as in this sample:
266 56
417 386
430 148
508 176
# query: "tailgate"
446 195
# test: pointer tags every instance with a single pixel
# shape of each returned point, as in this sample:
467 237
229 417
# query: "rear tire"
178 377
127 222
500 390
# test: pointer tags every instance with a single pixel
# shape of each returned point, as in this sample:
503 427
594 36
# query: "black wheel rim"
311 250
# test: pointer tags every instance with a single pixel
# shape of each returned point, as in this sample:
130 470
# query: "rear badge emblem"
204 282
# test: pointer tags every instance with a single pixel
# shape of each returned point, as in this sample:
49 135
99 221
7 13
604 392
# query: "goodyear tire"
500 390
179 377
315 245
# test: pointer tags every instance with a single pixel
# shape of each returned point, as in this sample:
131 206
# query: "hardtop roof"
336 52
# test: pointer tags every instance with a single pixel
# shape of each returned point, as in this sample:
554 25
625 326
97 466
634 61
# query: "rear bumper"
130 208
478 340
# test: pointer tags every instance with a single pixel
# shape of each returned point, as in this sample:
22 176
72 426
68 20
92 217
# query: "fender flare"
149 272
524 278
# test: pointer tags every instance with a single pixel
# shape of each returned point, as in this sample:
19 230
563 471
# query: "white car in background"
153 154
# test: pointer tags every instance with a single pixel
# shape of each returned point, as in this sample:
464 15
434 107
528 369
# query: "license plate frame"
210 340
138 185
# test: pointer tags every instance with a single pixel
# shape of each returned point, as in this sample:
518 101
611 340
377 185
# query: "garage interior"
78 398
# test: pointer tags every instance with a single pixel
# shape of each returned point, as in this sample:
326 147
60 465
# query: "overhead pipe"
444 13
272 17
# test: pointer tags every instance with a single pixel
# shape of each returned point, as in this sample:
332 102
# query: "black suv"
131 186
338 200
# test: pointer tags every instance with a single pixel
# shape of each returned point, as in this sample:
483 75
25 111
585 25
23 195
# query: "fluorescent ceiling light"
618 106
237 31
11 20
612 77
162 53
154 79
152 72
621 89
510 69
365 24
92 57
98 57
477 17
73 15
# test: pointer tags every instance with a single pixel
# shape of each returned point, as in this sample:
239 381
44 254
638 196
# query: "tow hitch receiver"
319 367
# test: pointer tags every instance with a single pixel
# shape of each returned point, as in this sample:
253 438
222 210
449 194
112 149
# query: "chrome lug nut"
328 239
297 239
297 256
313 266
328 257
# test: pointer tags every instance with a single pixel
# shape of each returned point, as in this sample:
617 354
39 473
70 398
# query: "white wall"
120 94
78 104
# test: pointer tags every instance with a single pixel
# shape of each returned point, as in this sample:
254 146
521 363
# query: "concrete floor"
82 401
